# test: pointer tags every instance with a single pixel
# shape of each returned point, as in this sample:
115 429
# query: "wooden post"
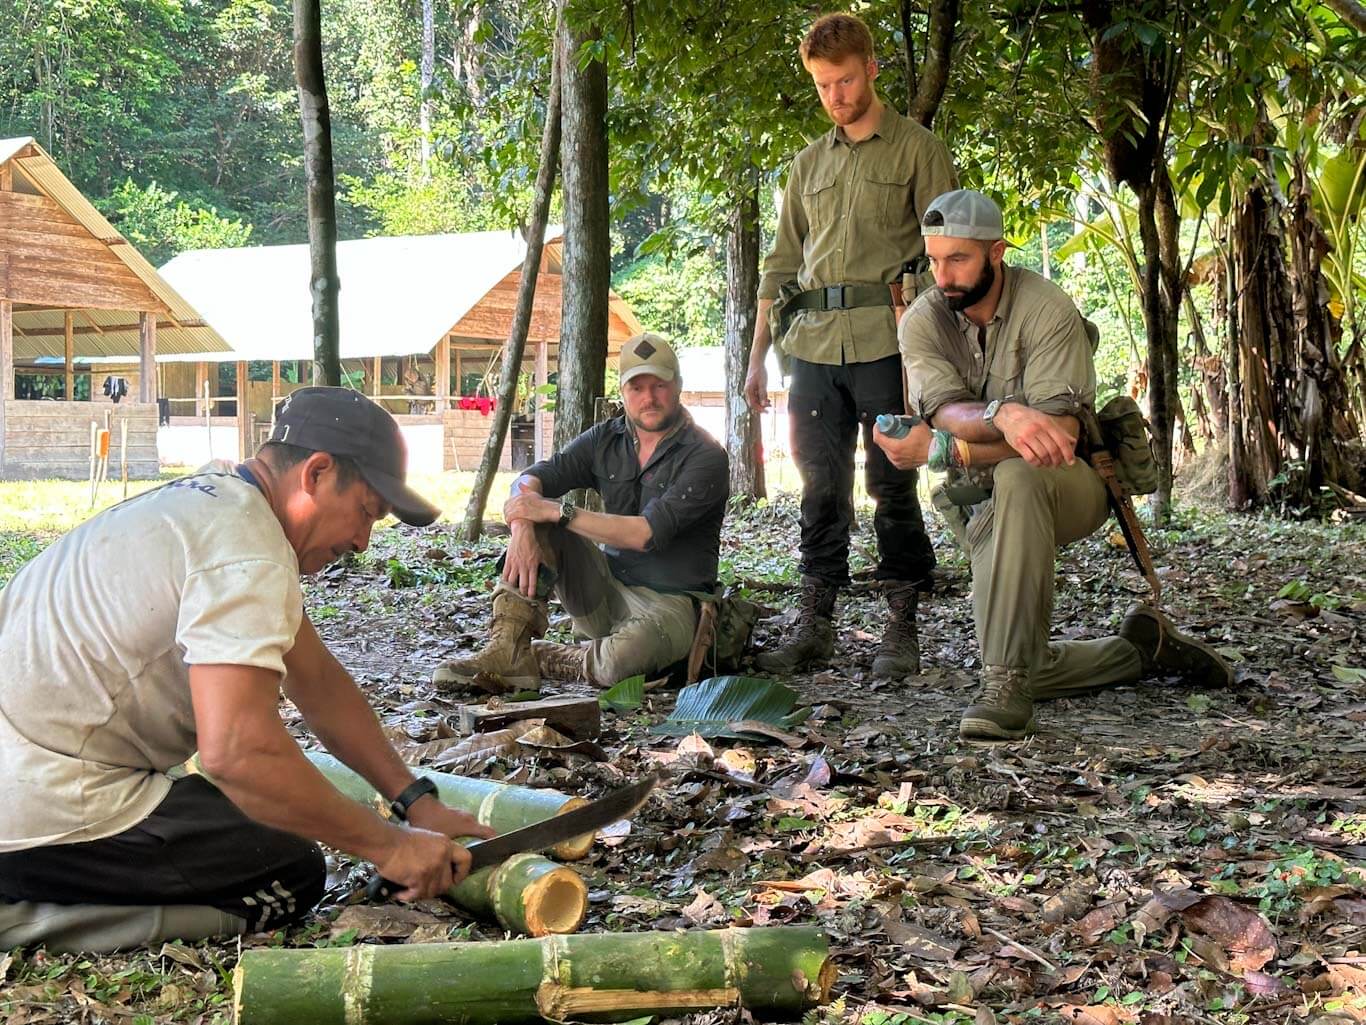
542 377
147 357
243 413
443 374
201 388
459 370
6 350
69 324
274 384
379 377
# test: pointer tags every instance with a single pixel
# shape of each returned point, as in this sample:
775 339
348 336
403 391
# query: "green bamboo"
525 894
777 972
500 806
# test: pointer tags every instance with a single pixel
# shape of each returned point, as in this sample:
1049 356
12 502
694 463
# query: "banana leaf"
712 707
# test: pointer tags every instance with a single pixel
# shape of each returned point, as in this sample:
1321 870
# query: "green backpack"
1124 432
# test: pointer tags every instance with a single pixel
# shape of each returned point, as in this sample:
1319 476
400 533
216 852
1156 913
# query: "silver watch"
994 407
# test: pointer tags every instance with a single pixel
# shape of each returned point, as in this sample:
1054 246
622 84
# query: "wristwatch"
994 407
408 796
567 513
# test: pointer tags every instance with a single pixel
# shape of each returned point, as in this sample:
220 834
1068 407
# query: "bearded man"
631 576
849 255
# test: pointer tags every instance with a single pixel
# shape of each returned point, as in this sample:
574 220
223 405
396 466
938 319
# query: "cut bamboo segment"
527 894
778 972
500 806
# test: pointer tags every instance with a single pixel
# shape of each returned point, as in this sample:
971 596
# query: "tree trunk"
521 317
934 72
322 204
426 73
774 973
587 236
744 427
500 806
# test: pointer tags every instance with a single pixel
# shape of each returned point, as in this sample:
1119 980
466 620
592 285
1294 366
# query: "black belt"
841 297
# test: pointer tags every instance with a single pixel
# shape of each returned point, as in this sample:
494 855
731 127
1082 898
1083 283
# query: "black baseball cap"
342 422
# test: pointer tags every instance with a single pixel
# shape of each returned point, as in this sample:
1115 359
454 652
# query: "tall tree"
426 74
521 317
926 89
587 229
322 203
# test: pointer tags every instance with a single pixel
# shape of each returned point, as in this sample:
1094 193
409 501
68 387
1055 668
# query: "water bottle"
895 426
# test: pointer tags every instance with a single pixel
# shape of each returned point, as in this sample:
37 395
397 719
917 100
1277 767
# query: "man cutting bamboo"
172 623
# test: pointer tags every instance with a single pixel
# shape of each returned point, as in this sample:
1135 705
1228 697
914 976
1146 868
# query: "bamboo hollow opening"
555 903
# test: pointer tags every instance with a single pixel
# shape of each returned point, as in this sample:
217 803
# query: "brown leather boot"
567 662
1003 711
898 654
505 664
813 635
1165 649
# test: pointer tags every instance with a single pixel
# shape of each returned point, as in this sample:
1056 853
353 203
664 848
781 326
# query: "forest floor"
1152 854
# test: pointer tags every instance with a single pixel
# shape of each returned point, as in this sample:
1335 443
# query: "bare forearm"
762 340
964 420
632 533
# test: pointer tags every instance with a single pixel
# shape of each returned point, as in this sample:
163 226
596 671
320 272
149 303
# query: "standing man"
999 364
849 237
628 576
174 623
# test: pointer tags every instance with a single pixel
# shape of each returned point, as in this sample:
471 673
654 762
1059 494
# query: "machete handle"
380 889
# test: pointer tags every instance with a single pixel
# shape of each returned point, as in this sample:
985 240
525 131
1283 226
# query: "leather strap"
1104 464
408 796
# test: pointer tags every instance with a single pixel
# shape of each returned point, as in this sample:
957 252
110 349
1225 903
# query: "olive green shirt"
851 215
1036 349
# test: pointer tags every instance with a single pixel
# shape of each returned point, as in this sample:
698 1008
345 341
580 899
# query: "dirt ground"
1152 854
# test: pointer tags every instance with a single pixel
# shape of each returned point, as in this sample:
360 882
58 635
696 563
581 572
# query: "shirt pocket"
820 199
887 195
1006 374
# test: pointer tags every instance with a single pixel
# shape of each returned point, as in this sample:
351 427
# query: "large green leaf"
624 696
709 707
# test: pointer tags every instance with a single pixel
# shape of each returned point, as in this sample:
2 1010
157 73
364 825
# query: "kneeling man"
999 364
664 483
171 623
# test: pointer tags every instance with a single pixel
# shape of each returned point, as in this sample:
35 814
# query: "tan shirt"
97 635
1035 349
851 215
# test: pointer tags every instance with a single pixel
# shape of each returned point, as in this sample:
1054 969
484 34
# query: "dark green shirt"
681 492
851 215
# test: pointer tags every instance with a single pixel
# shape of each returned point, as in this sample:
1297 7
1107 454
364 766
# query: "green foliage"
683 298
161 224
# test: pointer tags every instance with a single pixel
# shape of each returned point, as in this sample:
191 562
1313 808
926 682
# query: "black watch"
408 796
567 512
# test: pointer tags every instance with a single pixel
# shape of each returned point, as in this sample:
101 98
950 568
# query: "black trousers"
827 406
197 847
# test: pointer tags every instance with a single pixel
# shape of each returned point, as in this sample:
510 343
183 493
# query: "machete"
586 818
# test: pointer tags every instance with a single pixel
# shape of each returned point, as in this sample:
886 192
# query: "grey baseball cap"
963 213
342 422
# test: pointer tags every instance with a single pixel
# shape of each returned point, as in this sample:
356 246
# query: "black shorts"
197 847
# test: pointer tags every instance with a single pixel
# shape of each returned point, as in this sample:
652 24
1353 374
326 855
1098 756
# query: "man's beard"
854 111
975 294
666 425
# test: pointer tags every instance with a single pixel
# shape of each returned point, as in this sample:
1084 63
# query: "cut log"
775 973
500 806
581 718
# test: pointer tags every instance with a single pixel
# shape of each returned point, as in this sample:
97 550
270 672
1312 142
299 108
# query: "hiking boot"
898 654
1003 711
505 664
1164 649
567 662
813 634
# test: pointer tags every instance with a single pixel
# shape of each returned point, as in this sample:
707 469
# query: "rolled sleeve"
701 487
932 381
785 262
1060 376
571 468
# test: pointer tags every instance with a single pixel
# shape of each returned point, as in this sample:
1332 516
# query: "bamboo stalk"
500 806
777 972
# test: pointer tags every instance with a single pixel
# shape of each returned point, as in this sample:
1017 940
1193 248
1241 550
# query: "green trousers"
1012 540
630 629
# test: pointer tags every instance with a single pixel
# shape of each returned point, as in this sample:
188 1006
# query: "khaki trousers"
632 629
1012 540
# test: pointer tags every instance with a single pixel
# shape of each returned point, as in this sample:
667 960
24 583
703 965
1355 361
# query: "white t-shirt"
97 635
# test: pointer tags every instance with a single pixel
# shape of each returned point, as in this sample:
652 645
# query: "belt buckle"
832 297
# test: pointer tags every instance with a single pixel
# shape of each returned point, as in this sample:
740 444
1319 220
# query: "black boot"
899 653
813 635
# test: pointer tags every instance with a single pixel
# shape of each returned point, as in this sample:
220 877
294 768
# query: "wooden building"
423 323
71 287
